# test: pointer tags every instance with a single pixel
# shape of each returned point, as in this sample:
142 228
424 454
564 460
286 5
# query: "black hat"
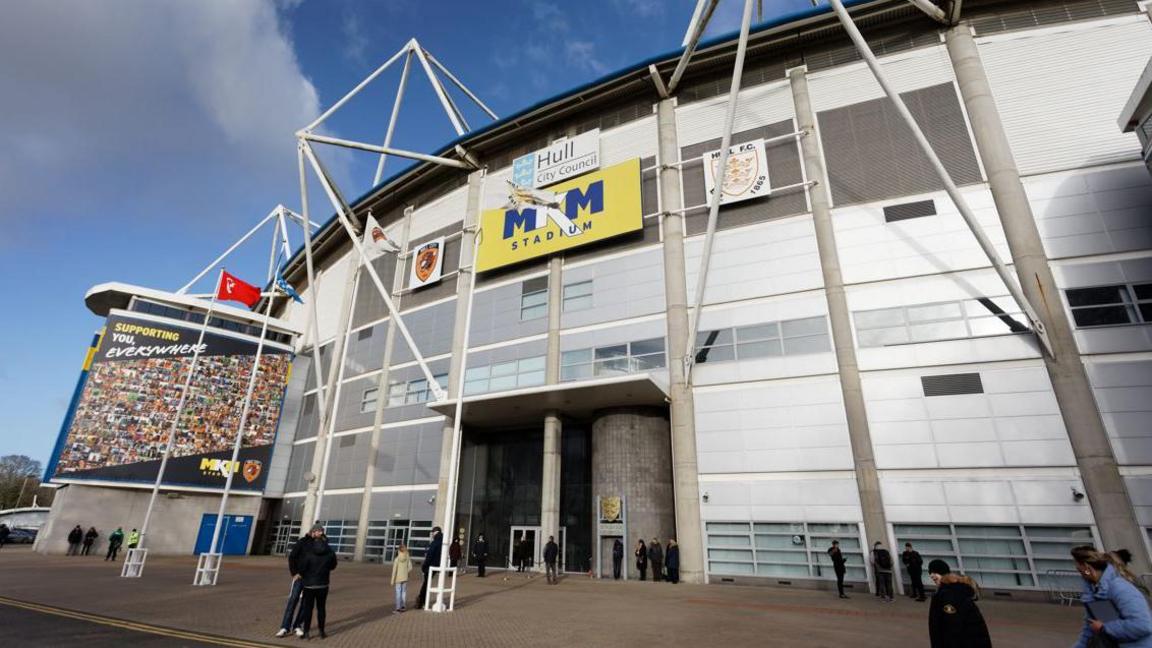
938 567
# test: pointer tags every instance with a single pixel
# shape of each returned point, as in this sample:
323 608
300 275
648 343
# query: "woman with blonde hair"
1116 613
401 566
954 621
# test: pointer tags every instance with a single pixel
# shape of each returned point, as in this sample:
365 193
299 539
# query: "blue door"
233 536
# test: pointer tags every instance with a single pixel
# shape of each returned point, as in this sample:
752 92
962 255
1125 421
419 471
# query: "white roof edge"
1141 100
99 300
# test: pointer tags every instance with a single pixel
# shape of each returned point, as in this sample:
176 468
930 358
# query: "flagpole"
208 572
173 428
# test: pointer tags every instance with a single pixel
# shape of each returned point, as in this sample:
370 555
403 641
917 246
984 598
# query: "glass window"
396 393
1102 306
758 332
533 305
368 400
578 296
933 312
782 549
879 318
645 347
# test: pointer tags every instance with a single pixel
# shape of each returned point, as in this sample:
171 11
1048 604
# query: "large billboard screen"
118 427
593 207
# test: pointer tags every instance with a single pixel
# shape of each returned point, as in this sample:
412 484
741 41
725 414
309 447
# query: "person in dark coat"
656 559
551 553
617 558
838 566
114 541
431 558
480 554
75 536
672 561
89 538
954 621
525 554
315 566
3 534
914 565
297 590
641 553
454 552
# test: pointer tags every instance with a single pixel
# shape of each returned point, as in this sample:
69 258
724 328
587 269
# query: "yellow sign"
583 210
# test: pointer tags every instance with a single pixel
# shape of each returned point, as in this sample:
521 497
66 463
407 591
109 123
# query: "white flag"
376 242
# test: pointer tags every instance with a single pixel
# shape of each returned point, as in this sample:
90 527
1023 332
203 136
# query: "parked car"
21 536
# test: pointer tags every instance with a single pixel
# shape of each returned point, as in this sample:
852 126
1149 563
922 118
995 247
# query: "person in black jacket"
480 554
838 566
954 621
74 538
641 558
551 553
303 544
431 558
914 565
617 558
315 564
672 561
89 538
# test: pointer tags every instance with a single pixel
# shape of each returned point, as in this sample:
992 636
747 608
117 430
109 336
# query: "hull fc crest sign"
747 175
426 264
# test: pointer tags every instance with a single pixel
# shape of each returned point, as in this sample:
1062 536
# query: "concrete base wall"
632 457
174 526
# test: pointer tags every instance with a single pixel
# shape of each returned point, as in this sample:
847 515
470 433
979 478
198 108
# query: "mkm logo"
575 202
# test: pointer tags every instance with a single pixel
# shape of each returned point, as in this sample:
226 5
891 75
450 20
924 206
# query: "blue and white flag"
286 287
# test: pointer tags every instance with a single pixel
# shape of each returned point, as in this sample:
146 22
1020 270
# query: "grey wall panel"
300 464
783 169
431 327
288 427
365 350
309 417
496 316
348 460
340 507
622 288
369 305
325 364
872 155
348 414
409 455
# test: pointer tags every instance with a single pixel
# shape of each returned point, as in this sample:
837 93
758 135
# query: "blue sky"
139 138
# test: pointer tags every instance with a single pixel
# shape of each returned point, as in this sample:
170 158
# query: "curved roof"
792 20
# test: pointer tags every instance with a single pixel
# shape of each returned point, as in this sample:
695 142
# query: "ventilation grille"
992 17
904 211
952 384
364 334
348 441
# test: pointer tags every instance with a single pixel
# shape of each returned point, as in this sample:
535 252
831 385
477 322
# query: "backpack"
883 559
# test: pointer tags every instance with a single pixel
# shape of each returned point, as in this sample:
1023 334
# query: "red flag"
233 289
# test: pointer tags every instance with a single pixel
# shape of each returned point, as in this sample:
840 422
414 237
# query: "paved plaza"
500 612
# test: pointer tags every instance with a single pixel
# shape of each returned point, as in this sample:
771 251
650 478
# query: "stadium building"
861 372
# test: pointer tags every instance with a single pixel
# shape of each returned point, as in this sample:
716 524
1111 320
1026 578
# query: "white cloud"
130 106
582 55
644 8
355 42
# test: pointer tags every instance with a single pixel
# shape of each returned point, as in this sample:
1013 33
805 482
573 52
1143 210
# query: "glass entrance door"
524 547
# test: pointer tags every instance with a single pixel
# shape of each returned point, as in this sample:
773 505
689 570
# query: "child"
400 568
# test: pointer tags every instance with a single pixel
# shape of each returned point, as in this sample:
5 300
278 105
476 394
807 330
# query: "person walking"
75 536
316 563
656 559
431 558
401 567
551 553
617 558
3 534
89 538
525 554
297 589
672 561
454 553
480 554
954 621
914 565
641 558
1110 591
114 541
882 566
838 566
134 539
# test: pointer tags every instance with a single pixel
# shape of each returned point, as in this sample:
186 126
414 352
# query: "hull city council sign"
591 208
564 159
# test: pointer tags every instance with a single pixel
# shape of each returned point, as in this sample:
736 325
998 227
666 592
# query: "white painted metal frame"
938 166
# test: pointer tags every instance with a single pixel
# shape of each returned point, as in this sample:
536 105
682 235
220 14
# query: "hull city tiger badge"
252 469
427 263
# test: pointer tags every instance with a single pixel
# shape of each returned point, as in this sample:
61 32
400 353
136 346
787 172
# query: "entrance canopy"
576 399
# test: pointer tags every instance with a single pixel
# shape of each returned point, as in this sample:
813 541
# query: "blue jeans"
401 595
293 599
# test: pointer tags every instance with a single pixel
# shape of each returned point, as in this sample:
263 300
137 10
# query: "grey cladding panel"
952 384
369 305
872 155
431 327
783 169
298 466
409 455
496 315
365 350
349 461
325 364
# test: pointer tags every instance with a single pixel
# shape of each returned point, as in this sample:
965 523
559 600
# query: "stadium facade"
860 373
